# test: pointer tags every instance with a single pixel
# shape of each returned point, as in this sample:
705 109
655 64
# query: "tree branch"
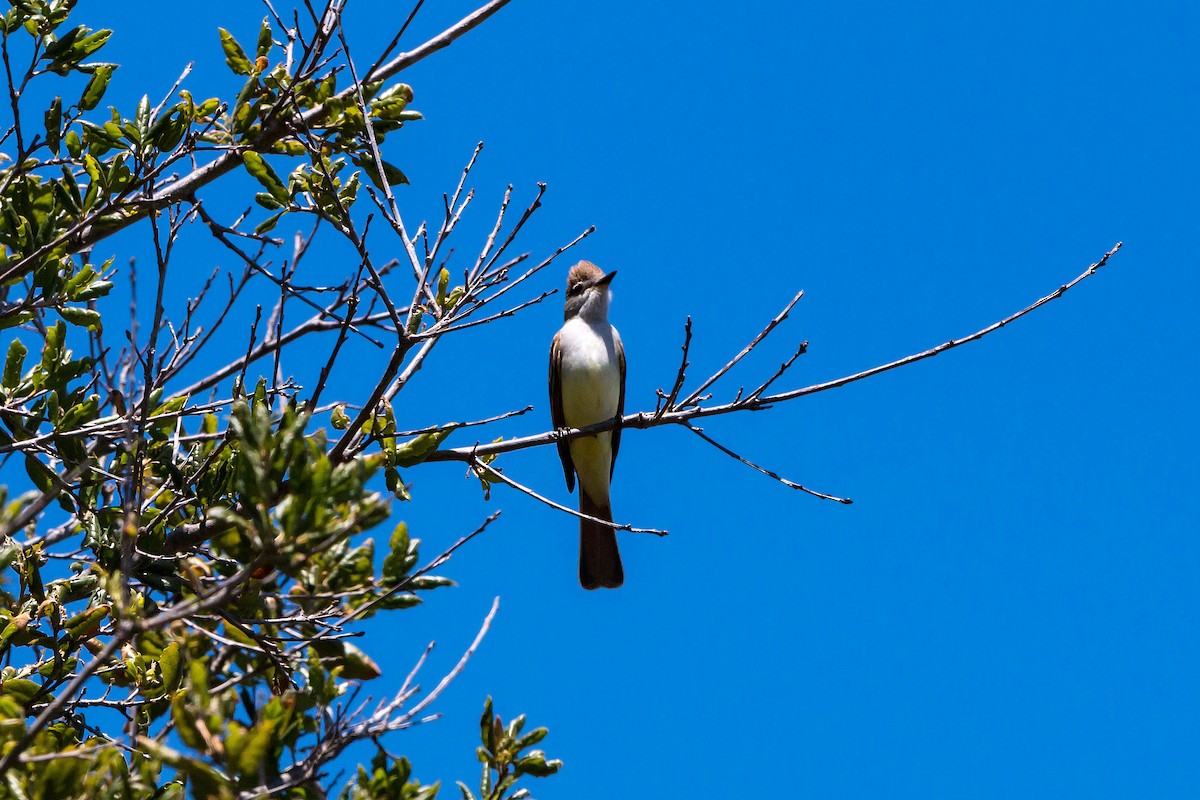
186 187
754 402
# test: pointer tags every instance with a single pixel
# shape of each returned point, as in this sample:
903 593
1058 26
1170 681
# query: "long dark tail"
599 558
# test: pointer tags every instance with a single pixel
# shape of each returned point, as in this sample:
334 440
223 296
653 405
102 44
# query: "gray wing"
616 431
556 410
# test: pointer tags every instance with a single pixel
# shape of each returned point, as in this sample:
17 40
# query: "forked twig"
651 419
780 317
680 375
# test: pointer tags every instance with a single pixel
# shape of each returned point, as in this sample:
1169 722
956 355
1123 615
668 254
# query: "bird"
587 386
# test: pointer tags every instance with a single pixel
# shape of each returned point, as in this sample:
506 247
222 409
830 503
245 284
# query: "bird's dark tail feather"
599 558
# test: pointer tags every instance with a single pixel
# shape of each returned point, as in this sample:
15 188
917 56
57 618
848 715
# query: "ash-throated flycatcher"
587 385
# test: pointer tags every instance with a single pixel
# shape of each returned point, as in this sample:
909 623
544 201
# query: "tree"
187 567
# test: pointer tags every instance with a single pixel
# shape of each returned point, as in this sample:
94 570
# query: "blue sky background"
1010 606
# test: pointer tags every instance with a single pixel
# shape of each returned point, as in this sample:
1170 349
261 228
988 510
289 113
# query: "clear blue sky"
1010 606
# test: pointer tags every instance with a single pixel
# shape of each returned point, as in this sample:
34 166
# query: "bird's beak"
605 280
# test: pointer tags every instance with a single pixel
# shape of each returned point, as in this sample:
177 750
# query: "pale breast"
591 378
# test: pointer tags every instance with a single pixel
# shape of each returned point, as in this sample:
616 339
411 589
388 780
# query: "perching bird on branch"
587 386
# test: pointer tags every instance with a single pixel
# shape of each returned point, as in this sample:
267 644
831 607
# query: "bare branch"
456 425
680 374
764 470
491 474
801 349
780 317
443 39
458 668
650 419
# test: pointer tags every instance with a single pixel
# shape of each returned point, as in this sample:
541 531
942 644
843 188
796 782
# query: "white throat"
595 305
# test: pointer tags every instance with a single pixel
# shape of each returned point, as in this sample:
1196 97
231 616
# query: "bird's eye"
574 289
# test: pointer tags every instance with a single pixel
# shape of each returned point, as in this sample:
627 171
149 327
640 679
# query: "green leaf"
143 118
69 201
339 419
486 728
288 148
400 601
40 474
262 172
83 317
49 669
393 174
395 484
168 662
92 167
13 364
62 45
79 414
416 450
442 284
264 39
90 44
10 319
327 87
20 688
74 144
87 622
268 202
54 124
65 54
203 779
391 104
63 775
256 747
9 553
537 765
235 56
96 86
349 191
80 279
93 290
12 21
268 224
402 556
531 738
427 582
169 128
172 406
357 665
77 588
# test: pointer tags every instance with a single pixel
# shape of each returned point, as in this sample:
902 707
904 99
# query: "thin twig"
801 349
680 374
764 470
642 420
432 565
472 424
492 474
780 317
462 663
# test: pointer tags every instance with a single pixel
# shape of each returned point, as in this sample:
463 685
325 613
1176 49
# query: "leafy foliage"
181 578
506 757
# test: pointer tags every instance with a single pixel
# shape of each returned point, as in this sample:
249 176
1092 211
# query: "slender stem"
649 419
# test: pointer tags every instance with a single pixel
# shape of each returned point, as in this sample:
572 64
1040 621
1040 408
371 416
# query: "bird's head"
587 292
